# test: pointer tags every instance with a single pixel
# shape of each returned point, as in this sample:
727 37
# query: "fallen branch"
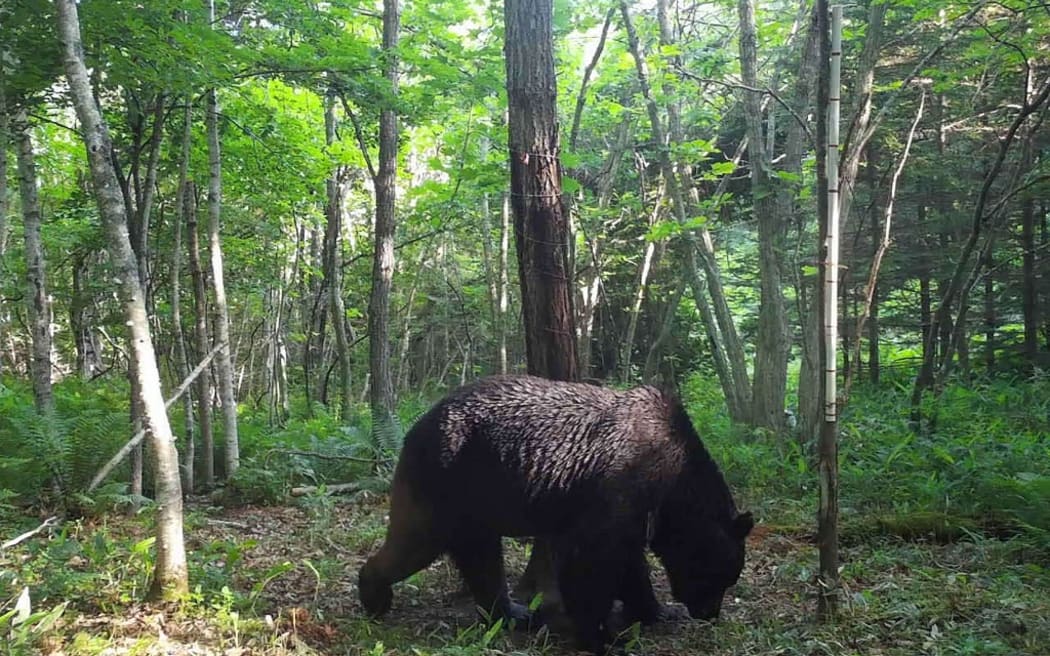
328 489
322 456
48 523
137 438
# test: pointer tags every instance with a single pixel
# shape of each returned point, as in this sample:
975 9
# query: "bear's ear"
742 525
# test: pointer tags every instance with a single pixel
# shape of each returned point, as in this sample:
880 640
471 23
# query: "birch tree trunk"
170 574
200 334
381 399
504 282
224 361
38 304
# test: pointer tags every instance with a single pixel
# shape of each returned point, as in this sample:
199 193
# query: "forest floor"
282 580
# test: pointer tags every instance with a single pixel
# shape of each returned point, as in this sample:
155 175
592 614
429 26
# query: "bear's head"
703 557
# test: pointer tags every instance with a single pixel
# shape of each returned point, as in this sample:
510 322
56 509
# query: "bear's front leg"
587 575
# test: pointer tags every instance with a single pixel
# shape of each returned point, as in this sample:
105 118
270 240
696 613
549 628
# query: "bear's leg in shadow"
587 577
411 544
636 589
479 558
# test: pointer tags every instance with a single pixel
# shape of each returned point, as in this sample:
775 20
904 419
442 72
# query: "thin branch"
48 523
581 98
359 133
876 263
138 437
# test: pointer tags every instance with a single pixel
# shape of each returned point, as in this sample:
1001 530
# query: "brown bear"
601 474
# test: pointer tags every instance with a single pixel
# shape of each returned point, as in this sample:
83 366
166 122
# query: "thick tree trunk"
38 304
540 221
384 423
200 334
182 360
333 263
221 321
170 574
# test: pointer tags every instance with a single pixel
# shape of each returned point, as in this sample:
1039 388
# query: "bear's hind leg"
480 560
411 544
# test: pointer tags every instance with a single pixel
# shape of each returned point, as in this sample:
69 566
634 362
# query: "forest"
246 244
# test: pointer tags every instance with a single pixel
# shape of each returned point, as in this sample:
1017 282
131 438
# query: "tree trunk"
200 334
771 353
988 265
221 321
5 139
334 263
1029 283
384 422
38 304
88 363
182 359
540 221
828 179
504 282
727 350
925 302
170 574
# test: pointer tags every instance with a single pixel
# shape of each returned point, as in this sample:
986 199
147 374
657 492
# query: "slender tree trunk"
5 139
38 303
504 282
990 320
925 303
182 359
334 262
87 363
828 180
224 361
1029 283
639 294
727 351
384 422
170 574
201 337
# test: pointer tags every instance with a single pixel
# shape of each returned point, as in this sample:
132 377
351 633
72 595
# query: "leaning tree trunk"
170 574
334 264
200 333
384 423
224 361
38 306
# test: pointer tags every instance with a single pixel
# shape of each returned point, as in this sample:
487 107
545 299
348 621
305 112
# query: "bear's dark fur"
583 466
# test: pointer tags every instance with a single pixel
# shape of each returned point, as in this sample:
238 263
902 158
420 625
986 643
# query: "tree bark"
221 321
1029 283
771 353
181 354
38 304
201 337
504 282
333 264
170 573
5 139
384 422
540 221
